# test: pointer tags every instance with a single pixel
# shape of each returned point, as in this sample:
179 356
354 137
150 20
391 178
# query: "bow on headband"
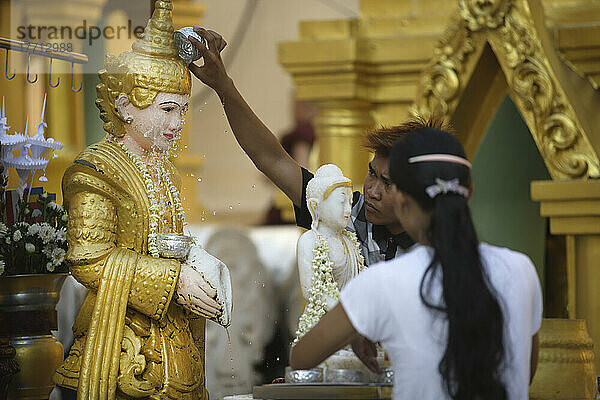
442 186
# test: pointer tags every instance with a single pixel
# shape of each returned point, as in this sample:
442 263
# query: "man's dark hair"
381 140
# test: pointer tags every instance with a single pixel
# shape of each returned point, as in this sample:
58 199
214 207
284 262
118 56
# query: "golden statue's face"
157 127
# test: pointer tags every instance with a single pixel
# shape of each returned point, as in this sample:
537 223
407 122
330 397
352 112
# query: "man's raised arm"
254 137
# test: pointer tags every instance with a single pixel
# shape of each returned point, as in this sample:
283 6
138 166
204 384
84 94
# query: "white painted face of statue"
156 128
334 211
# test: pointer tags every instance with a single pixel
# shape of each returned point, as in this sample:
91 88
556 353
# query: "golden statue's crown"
157 39
150 68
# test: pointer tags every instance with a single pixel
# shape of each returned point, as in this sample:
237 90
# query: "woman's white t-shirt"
384 305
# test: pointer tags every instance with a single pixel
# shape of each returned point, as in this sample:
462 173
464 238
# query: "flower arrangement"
37 241
33 229
323 286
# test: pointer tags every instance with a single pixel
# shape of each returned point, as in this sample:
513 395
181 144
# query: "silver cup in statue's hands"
174 245
186 50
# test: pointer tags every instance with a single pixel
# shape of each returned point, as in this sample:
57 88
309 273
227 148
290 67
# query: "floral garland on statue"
322 284
152 193
174 193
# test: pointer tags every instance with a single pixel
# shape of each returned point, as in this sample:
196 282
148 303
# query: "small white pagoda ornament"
30 149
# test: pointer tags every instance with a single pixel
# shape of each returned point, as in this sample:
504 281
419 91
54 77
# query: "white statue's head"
329 198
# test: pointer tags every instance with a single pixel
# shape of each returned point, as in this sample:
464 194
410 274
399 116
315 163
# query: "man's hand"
195 294
366 351
213 72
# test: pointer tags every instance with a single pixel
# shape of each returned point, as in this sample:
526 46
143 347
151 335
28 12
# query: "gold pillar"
64 108
340 126
187 13
362 72
574 210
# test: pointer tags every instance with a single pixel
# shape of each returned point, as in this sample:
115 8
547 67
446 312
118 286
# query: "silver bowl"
314 375
334 375
174 245
186 50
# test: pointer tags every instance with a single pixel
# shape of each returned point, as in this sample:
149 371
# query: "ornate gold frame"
514 31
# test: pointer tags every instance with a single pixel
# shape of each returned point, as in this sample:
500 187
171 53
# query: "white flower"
17 236
65 217
58 256
47 250
30 247
2 267
61 234
3 229
53 206
46 232
50 266
33 230
36 213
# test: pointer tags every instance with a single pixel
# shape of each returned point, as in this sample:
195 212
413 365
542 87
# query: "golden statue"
140 332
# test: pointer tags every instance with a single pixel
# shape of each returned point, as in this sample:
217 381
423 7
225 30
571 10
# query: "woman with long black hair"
458 318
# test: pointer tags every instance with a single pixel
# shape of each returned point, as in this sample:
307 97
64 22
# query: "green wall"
503 167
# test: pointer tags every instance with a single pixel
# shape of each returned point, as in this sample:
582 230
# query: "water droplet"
214 213
192 175
253 186
263 285
199 179
231 207
203 219
185 147
239 204
277 358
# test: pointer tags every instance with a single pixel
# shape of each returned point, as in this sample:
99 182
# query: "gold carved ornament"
565 149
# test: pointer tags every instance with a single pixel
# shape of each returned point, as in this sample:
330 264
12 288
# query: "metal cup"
314 375
186 50
334 375
174 245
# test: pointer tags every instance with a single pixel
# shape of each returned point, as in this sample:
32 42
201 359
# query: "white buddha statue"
329 256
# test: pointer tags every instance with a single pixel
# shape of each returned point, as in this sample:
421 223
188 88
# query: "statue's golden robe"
131 339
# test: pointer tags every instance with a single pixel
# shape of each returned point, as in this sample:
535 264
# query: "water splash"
230 347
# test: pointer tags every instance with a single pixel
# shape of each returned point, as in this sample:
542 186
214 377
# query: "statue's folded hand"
195 294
